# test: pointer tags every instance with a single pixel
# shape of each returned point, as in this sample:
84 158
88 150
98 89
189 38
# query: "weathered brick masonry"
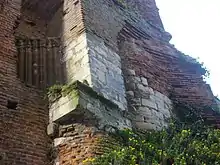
167 71
119 49
23 137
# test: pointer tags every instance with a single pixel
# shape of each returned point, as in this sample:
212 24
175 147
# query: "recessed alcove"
38 40
11 104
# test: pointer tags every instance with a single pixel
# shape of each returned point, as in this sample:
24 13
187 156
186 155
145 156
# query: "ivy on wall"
180 144
187 141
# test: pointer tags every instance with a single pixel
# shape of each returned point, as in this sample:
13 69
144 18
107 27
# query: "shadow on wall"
39 43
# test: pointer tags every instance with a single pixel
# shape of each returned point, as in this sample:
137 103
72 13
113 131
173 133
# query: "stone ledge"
81 101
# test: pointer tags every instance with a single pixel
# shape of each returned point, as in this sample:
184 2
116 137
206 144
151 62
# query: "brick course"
23 138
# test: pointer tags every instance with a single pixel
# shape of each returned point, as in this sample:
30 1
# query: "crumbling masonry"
116 56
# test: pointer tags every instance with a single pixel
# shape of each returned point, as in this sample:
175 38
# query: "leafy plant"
57 91
54 92
180 144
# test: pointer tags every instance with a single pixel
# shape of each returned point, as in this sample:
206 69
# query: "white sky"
195 27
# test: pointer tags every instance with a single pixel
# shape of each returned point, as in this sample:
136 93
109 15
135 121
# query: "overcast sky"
195 27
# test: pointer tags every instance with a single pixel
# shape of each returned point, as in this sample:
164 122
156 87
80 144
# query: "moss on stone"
57 91
73 90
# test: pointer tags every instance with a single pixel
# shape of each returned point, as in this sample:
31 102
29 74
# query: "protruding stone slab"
84 118
78 99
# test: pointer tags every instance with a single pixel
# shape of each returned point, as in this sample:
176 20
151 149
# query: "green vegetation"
73 90
57 91
180 143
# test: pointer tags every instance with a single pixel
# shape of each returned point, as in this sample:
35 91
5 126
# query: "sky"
195 27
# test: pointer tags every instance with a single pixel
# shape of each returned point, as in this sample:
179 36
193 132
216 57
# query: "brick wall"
146 85
113 48
106 19
30 25
79 120
78 142
167 71
187 82
67 23
55 25
148 10
103 22
23 139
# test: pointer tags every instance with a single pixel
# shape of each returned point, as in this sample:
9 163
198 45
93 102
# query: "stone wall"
23 112
106 74
167 71
79 120
93 56
68 23
106 19
147 9
104 23
30 25
86 56
146 86
77 143
120 50
155 66
55 24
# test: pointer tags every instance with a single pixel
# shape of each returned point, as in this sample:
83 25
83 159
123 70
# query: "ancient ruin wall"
106 21
23 113
118 49
24 109
155 65
147 86
148 11
30 25
67 24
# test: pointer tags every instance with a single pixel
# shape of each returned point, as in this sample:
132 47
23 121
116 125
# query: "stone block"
84 101
135 101
166 113
130 94
122 106
146 126
141 87
62 140
149 90
65 106
137 79
95 63
131 86
144 81
158 115
101 76
149 103
145 110
101 50
159 95
130 72
160 104
52 129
